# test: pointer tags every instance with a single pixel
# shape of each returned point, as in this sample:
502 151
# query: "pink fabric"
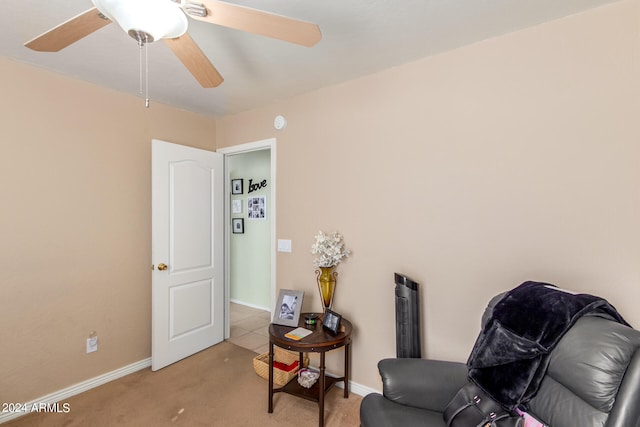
529 421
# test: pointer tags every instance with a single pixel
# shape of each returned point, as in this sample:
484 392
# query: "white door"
187 252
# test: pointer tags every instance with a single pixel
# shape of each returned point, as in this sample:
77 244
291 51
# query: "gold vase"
327 279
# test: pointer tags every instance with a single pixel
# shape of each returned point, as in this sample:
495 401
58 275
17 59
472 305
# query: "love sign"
257 186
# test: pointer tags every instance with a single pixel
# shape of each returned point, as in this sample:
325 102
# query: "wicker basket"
280 377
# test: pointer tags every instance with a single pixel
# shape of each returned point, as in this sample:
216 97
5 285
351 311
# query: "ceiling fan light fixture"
151 19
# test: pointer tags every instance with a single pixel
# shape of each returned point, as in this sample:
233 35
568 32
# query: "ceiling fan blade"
195 60
258 22
69 32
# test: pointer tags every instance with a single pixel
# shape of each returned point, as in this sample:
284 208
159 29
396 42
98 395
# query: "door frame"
265 144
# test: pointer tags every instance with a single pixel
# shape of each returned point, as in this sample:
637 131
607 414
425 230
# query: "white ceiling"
359 37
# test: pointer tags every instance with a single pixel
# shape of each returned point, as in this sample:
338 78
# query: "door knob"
162 267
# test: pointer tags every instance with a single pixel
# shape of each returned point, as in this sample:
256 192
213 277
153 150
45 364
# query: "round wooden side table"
320 341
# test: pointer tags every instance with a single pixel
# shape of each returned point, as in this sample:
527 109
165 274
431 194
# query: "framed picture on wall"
237 225
237 186
236 206
287 311
257 207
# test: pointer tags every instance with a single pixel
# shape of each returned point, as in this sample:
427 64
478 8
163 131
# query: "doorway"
250 227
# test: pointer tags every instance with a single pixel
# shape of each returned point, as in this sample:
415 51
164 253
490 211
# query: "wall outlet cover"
284 245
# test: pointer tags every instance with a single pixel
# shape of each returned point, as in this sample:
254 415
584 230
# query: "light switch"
284 245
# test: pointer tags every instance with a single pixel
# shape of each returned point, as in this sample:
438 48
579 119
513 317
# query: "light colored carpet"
216 387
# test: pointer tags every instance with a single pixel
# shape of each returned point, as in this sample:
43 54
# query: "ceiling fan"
151 20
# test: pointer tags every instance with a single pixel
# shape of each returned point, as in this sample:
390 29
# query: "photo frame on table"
237 186
237 225
331 321
287 310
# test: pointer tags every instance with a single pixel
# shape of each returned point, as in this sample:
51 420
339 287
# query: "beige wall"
512 159
471 171
75 224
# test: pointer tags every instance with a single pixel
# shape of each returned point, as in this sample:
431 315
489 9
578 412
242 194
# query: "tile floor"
249 327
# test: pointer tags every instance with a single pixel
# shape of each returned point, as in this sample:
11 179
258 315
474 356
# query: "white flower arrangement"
329 248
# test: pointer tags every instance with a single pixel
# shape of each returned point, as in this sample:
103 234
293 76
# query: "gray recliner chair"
592 380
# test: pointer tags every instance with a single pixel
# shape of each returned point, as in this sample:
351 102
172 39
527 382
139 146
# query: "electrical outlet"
92 343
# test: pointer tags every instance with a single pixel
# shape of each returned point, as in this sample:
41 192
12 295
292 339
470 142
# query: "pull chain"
140 67
144 80
146 70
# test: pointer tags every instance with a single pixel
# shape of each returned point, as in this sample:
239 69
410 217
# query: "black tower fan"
407 318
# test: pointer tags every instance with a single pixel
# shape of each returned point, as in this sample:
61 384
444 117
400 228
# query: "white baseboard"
78 388
246 304
359 389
